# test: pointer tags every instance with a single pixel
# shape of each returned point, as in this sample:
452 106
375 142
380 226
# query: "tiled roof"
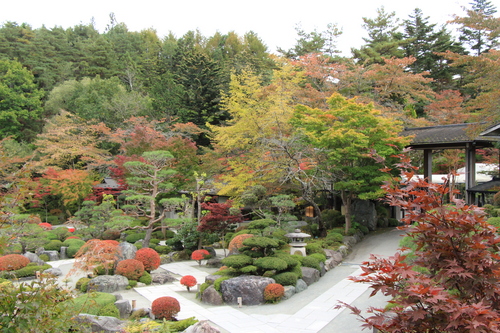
451 134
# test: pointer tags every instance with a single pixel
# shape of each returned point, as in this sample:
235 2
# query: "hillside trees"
21 105
347 134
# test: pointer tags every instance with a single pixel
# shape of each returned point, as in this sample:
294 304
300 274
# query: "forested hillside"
77 104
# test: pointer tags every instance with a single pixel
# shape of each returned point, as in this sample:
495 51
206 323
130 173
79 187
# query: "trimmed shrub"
188 281
271 263
132 238
237 242
274 292
146 278
163 249
130 268
13 262
237 261
310 262
94 303
393 222
319 256
314 248
199 255
335 236
44 257
111 234
290 261
53 245
286 278
84 281
28 271
250 269
109 310
165 307
364 229
73 242
132 283
154 241
149 258
494 221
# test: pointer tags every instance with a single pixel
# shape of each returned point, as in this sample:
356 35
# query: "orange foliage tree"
94 253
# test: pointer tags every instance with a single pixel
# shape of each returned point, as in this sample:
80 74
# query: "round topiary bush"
111 234
130 268
163 249
286 278
274 292
165 307
132 238
13 262
319 256
310 262
237 242
149 258
146 278
53 245
199 255
188 281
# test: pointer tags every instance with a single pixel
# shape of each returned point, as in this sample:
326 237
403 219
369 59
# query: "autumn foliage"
274 292
130 268
237 242
165 307
453 283
149 258
94 253
12 262
199 255
188 281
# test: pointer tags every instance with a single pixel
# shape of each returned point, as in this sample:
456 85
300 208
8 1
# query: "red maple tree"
453 282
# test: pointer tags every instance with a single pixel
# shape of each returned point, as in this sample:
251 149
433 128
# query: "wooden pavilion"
468 137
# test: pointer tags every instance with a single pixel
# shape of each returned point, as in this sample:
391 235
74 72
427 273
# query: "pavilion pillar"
470 171
428 165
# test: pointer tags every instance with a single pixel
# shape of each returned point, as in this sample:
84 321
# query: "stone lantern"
297 242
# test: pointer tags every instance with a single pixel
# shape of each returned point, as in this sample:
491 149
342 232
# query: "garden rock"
343 250
53 255
124 307
214 262
63 252
161 277
102 323
300 286
202 326
211 278
53 271
34 258
211 296
364 213
322 271
165 259
249 288
211 250
289 292
127 251
108 283
350 241
310 275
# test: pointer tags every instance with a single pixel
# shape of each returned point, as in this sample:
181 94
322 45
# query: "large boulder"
310 275
102 323
300 286
364 213
53 255
249 288
289 292
108 283
54 271
34 258
202 326
127 251
124 307
211 296
161 277
211 278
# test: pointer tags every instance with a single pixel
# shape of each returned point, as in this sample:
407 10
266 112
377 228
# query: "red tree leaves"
453 283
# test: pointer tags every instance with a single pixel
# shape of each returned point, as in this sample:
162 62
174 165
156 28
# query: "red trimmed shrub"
12 262
45 225
237 242
130 268
112 242
149 258
73 237
199 255
165 307
274 292
188 281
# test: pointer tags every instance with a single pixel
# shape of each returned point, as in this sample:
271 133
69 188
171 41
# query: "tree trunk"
147 238
347 201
